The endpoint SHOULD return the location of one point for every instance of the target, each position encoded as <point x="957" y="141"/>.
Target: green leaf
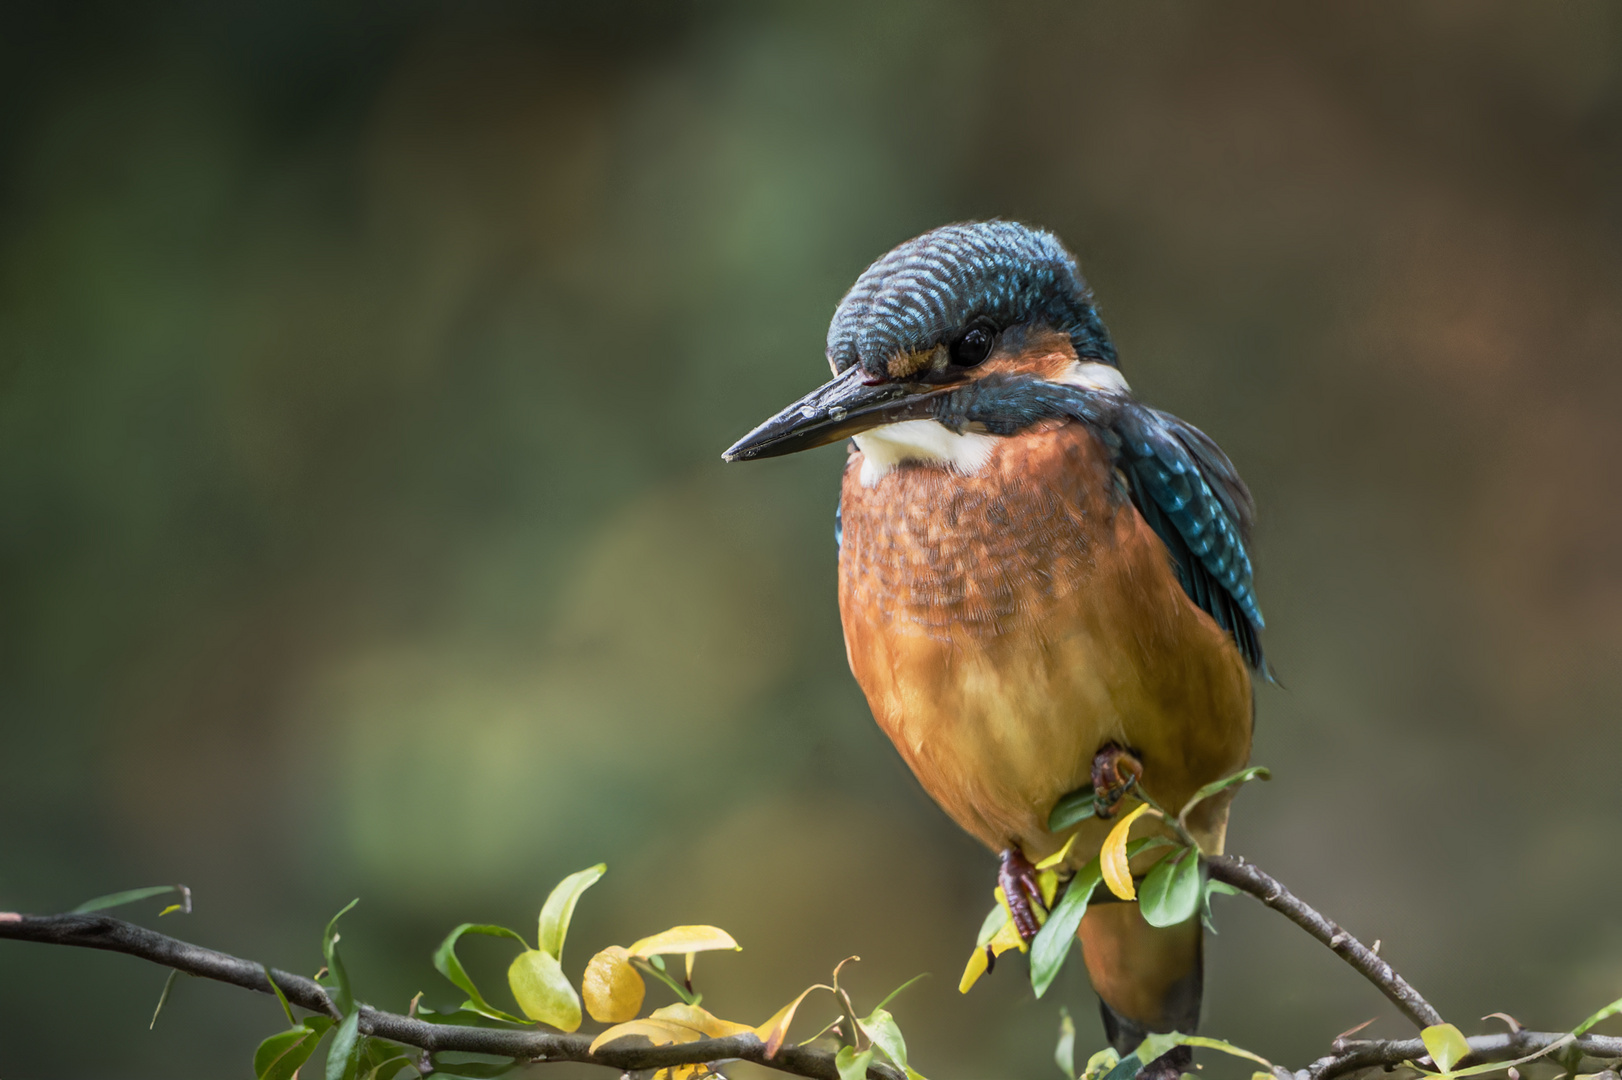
<point x="128" y="896"/>
<point x="1100" y="1064"/>
<point x="281" y="997"/>
<point x="1244" y="776"/>
<point x="342" y="995"/>
<point x="1171" y="892"/>
<point x="465" y="1017"/>
<point x="559" y="908"/>
<point x="992" y="923"/>
<point x="380" y="1060"/>
<point x="342" y="1055"/>
<point x="1445" y="1044"/>
<point x="446" y="963"/>
<point x="1217" y="1044"/>
<point x="851" y="1065"/>
<point x="1126" y="1068"/>
<point x="881" y="1027"/>
<point x="281" y="1055"/>
<point x="1157" y="1045"/>
<point x="388" y="1067"/>
<point x="1079" y="805"/>
<point x="1064" y="1054"/>
<point x="1213" y="888"/>
<point x="1606" y="1013"/>
<point x="1052" y="942"/>
<point x="543" y="991"/>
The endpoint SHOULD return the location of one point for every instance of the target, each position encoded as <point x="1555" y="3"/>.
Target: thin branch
<point x="1355" y="1055"/>
<point x="1264" y="887"/>
<point x="116" y="935"/>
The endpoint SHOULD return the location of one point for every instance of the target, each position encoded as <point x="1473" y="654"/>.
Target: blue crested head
<point x="936" y="288"/>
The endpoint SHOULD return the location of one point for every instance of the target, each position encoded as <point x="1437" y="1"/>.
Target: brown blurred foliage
<point x="363" y="375"/>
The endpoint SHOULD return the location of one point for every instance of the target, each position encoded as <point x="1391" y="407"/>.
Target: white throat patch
<point x="883" y="448"/>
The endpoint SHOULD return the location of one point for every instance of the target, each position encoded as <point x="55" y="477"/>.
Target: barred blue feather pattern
<point x="926" y="290"/>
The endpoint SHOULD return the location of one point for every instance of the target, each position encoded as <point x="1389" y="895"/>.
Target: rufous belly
<point x="1006" y="625"/>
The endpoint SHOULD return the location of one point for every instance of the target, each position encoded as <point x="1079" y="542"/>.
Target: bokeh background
<point x="364" y="371"/>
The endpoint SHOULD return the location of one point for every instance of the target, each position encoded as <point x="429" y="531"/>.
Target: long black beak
<point x="845" y="406"/>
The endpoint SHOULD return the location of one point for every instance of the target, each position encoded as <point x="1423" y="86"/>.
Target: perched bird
<point x="1043" y="582"/>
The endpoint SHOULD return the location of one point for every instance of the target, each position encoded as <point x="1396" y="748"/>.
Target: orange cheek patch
<point x="1047" y="355"/>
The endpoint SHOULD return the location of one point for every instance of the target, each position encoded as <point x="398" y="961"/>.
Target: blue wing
<point x="1190" y="494"/>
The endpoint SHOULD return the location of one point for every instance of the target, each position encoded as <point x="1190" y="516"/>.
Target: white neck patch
<point x="928" y="441"/>
<point x="883" y="448"/>
<point x="1092" y="375"/>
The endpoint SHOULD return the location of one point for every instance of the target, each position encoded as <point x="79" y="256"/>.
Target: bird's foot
<point x="1017" y="877"/>
<point x="1116" y="771"/>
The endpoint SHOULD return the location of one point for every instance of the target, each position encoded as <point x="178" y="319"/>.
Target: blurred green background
<point x="364" y="371"/>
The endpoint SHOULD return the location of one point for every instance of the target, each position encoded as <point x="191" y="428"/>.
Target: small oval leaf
<point x="1445" y="1044"/>
<point x="851" y="1065"/>
<point x="683" y="939"/>
<point x="541" y="990"/>
<point x="885" y="1033"/>
<point x="1171" y="891"/>
<point x="280" y="1056"/>
<point x="1077" y="806"/>
<point x="611" y="987"/>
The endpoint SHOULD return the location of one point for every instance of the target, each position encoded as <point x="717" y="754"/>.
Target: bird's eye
<point x="973" y="346"/>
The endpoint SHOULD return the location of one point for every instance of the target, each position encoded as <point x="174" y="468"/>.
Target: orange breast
<point x="1006" y="625"/>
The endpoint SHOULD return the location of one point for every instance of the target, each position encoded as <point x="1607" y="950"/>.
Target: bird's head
<point x="958" y="304"/>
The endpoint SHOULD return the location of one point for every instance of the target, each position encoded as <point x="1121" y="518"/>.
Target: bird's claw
<point x="1116" y="771"/>
<point x="1017" y="877"/>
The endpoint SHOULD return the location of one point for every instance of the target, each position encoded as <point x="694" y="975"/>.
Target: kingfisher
<point x="1044" y="583"/>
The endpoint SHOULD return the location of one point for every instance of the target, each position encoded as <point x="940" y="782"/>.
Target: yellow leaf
<point x="775" y="1030"/>
<point x="683" y="939"/>
<point x="972" y="971"/>
<point x="1007" y="938"/>
<point x="1446" y="1045"/>
<point x="701" y="1020"/>
<point x="1048" y="882"/>
<point x="1112" y="856"/>
<point x="612" y="988"/>
<point x="538" y="984"/>
<point x="673" y="1024"/>
<point x="1058" y="856"/>
<point x="658" y="1032"/>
